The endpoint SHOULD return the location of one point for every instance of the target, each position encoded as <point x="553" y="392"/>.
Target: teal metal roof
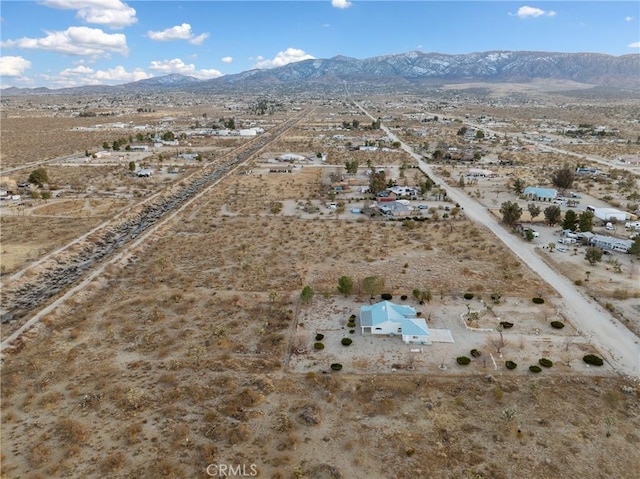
<point x="385" y="311"/>
<point x="414" y="327"/>
<point x="541" y="192"/>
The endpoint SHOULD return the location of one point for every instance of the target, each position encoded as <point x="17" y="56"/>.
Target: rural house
<point x="540" y="194"/>
<point x="393" y="319"/>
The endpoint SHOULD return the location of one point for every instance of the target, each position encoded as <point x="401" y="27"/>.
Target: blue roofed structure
<point x="540" y="194"/>
<point x="392" y="319"/>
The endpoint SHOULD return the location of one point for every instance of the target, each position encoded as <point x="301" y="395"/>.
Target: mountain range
<point x="404" y="70"/>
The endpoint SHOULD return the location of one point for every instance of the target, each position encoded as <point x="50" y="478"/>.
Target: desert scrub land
<point x="178" y="359"/>
<point x="181" y="355"/>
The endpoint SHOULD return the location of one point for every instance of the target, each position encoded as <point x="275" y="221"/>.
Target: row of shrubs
<point x="319" y="337"/>
<point x="591" y="359"/>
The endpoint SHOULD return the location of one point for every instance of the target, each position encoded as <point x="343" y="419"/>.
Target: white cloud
<point x="75" y="41"/>
<point x="226" y="59"/>
<point x="326" y="25"/>
<point x="528" y="12"/>
<point x="341" y="3"/>
<point x="634" y="45"/>
<point x="179" y="32"/>
<point x="167" y="67"/>
<point x="628" y="19"/>
<point x="111" y="13"/>
<point x="83" y="75"/>
<point x="13" y="66"/>
<point x="290" y="55"/>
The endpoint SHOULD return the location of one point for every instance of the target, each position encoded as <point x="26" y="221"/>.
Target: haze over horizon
<point x="70" y="43"/>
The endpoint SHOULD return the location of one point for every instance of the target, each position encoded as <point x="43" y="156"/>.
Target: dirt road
<point x="619" y="345"/>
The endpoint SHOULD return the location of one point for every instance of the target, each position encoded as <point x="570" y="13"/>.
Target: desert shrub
<point x="557" y="324"/>
<point x="386" y="296"/>
<point x="318" y="346"/>
<point x="404" y="297"/>
<point x="72" y="432"/>
<point x="336" y="366"/>
<point x="346" y="341"/>
<point x="535" y="369"/>
<point x="510" y="365"/>
<point x="352" y="317"/>
<point x="593" y="360"/>
<point x="475" y="353"/>
<point x="468" y="295"/>
<point x="463" y="360"/>
<point x="547" y="363"/>
<point x="351" y="331"/>
<point x="537" y="300"/>
<point x="506" y="324"/>
<point x="319" y="337"/>
<point x="578" y="282"/>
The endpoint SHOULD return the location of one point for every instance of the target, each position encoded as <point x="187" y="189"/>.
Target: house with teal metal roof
<point x="540" y="194"/>
<point x="392" y="319"/>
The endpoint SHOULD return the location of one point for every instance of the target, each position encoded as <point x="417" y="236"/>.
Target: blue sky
<point x="61" y="43"/>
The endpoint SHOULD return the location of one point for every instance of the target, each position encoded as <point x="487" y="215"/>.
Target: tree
<point x="518" y="186"/>
<point x="306" y="295"/>
<point x="345" y="285"/>
<point x="511" y="213"/>
<point x="377" y="182"/>
<point x="593" y="255"/>
<point x="39" y="177"/>
<point x="168" y="136"/>
<point x="552" y="214"/>
<point x="570" y="221"/>
<point x="585" y="221"/>
<point x="372" y="285"/>
<point x="635" y="247"/>
<point x="563" y="178"/>
<point x="534" y="210"/>
<point x="351" y="166"/>
<point x="132" y="166"/>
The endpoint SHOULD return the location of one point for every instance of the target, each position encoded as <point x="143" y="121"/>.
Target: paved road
<point x="619" y="345"/>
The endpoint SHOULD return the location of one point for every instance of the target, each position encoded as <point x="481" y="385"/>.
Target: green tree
<point x="479" y="135"/>
<point x="372" y="285"/>
<point x="345" y="285"/>
<point x="570" y="220"/>
<point x="351" y="166"/>
<point x="168" y="136"/>
<point x="45" y="195"/>
<point x="534" y="210"/>
<point x="585" y="221"/>
<point x="106" y="146"/>
<point x="593" y="255"/>
<point x="552" y="214"/>
<point x="39" y="177"/>
<point x="377" y="182"/>
<point x="563" y="178"/>
<point x="635" y="247"/>
<point x="511" y="213"/>
<point x="518" y="186"/>
<point x="355" y="124"/>
<point x="306" y="295"/>
<point x="132" y="166"/>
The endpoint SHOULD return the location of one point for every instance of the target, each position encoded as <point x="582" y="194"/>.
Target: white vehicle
<point x="333" y="206"/>
<point x="632" y="225"/>
<point x="609" y="227"/>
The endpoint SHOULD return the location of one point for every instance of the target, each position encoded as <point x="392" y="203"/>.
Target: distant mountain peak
<point x="405" y="70"/>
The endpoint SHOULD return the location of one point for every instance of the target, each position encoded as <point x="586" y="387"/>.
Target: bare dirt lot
<point x="195" y="348"/>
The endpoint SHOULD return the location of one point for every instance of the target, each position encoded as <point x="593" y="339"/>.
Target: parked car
<point x="422" y="207"/>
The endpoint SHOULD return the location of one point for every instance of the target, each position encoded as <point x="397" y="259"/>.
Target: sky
<point x="64" y="43"/>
